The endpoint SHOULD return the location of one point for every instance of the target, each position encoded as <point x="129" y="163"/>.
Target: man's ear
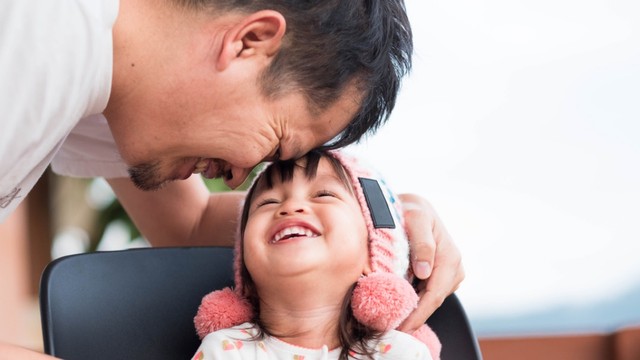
<point x="260" y="33"/>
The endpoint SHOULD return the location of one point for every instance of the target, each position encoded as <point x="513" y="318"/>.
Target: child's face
<point x="306" y="226"/>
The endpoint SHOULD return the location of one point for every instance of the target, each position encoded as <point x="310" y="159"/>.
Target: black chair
<point x="140" y="304"/>
<point x="452" y="326"/>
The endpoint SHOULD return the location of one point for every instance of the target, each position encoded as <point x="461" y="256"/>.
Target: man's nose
<point x="236" y="176"/>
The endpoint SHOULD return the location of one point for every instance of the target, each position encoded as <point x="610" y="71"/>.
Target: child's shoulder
<point x="398" y="345"/>
<point x="245" y="331"/>
<point x="400" y="337"/>
<point x="232" y="343"/>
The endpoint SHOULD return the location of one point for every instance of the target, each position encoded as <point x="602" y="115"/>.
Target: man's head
<point x="217" y="97"/>
<point x="330" y="42"/>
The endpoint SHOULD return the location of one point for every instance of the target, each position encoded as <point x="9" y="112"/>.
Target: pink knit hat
<point x="380" y="300"/>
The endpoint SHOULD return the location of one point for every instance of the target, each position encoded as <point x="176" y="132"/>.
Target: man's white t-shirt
<point x="56" y="64"/>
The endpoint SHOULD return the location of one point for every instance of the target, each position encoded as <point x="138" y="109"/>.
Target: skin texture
<point x="302" y="280"/>
<point x="208" y="105"/>
<point x="8" y="351"/>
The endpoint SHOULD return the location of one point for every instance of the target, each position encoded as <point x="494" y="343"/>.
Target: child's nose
<point x="291" y="207"/>
<point x="291" y="211"/>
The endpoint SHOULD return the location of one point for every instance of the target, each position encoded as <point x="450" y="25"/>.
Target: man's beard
<point x="146" y="176"/>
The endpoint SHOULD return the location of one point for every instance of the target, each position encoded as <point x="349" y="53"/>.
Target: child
<point x="321" y="270"/>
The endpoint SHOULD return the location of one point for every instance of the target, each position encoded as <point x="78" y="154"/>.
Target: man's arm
<point x="8" y="351"/>
<point x="434" y="257"/>
<point x="183" y="213"/>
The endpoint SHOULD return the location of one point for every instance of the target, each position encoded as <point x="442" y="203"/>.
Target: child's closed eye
<point x="266" y="201"/>
<point x="325" y="193"/>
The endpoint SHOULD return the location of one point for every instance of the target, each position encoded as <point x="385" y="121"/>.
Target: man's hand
<point x="434" y="257"/>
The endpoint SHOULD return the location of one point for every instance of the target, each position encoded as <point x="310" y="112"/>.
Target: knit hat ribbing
<point x="382" y="299"/>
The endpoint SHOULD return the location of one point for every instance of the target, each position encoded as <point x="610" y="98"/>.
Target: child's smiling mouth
<point x="293" y="232"/>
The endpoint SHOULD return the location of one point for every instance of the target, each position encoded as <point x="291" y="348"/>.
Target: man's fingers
<point x="444" y="280"/>
<point x="435" y="259"/>
<point x="421" y="269"/>
<point x="419" y="230"/>
<point x="417" y="317"/>
<point x="437" y="290"/>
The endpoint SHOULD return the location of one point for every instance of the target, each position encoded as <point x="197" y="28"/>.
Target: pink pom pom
<point x="382" y="300"/>
<point x="221" y="309"/>
<point x="427" y="336"/>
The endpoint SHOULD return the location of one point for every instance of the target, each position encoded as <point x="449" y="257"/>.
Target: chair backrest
<point x="451" y="324"/>
<point x="140" y="304"/>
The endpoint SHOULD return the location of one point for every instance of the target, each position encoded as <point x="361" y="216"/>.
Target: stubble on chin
<point x="147" y="176"/>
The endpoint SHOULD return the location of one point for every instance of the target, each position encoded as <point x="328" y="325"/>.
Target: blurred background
<point x="520" y="123"/>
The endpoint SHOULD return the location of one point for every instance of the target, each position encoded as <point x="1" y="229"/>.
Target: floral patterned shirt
<point x="237" y="344"/>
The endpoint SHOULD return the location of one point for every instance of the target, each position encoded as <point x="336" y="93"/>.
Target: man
<point x="176" y="87"/>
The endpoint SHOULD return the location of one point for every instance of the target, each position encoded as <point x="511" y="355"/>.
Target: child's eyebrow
<point x="259" y="190"/>
<point x="335" y="178"/>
